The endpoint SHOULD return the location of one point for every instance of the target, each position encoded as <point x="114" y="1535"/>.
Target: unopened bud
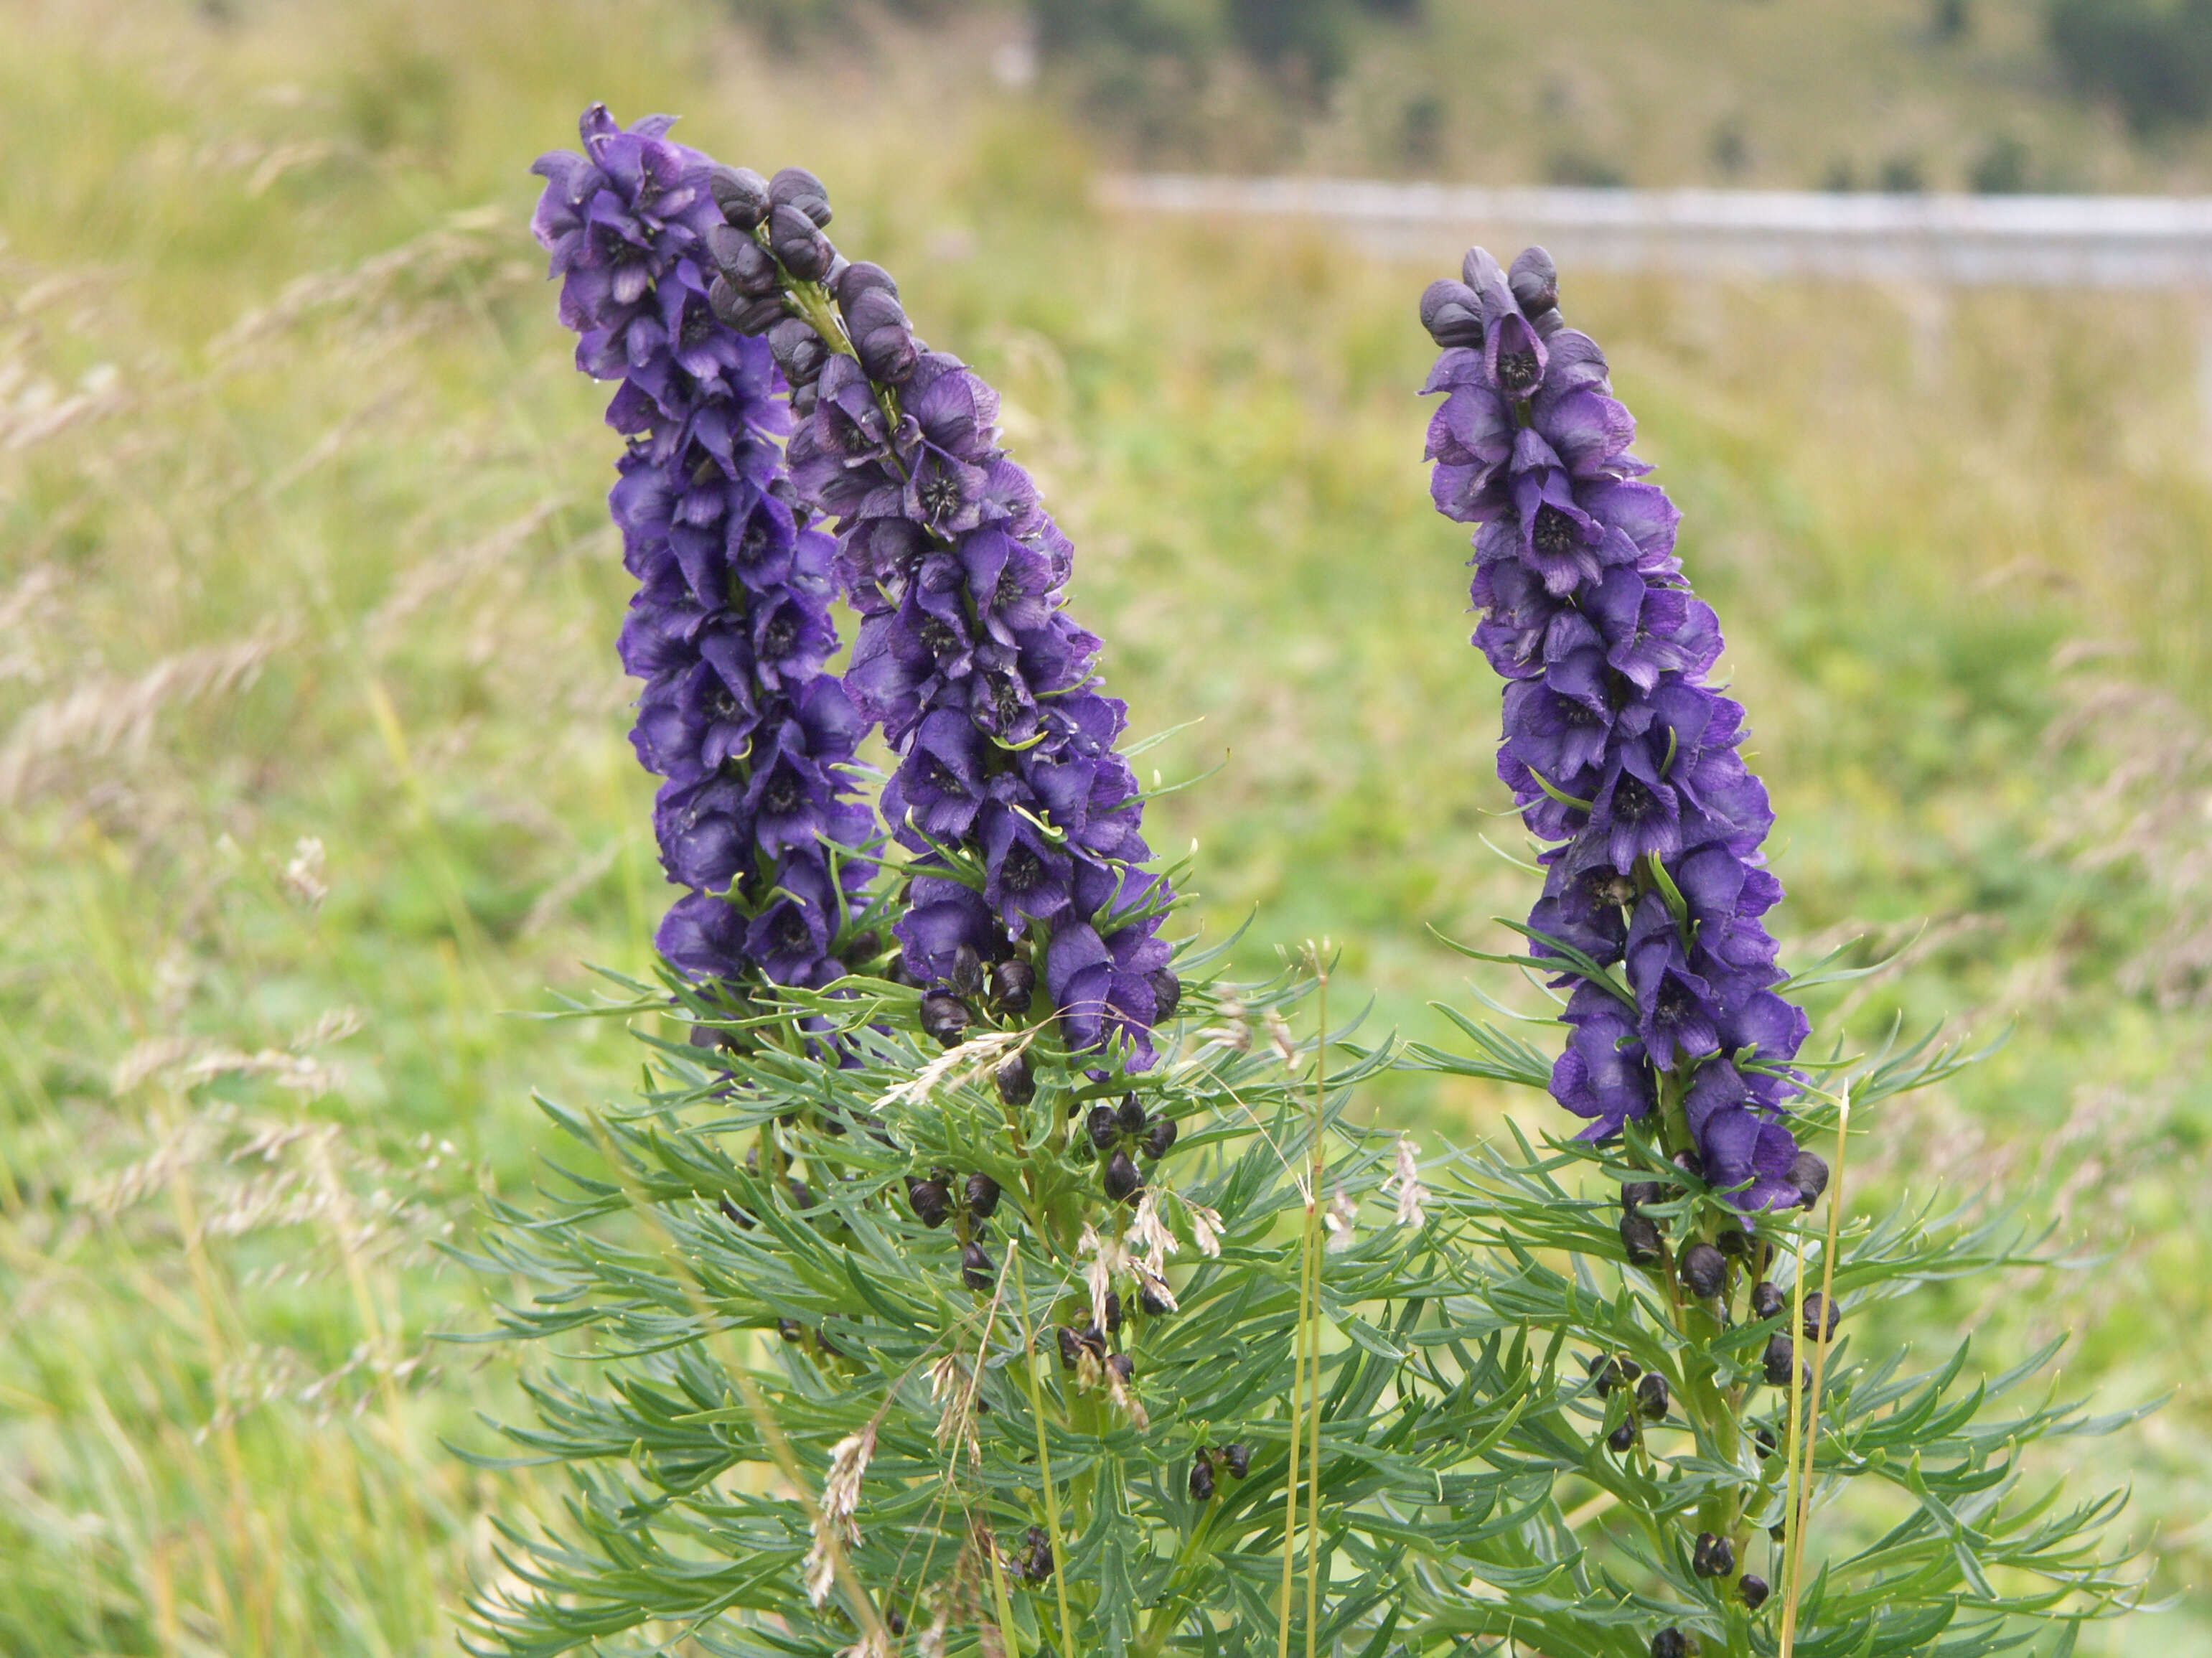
<point x="967" y="975"/>
<point x="1201" y="1478"/>
<point x="1636" y="1193"/>
<point x="794" y="187"/>
<point x="1113" y="1311"/>
<point x="1809" y="1175"/>
<point x="862" y="277"/>
<point x="1651" y="1396"/>
<point x="1013" y="986"/>
<point x="1767" y="1300"/>
<point x="1762" y="1439"/>
<point x="1017" y="1082"/>
<point x="1671" y="1643"/>
<point x="1621" y="1438"/>
<point x="1734" y="1242"/>
<point x="1122" y="1366"/>
<point x="1714" y="1556"/>
<point x="1779" y="1360"/>
<point x="790" y="1328"/>
<point x="1819" y="1327"/>
<point x="1132" y="1114"/>
<point x="1036" y="1561"/>
<point x="1167" y="994"/>
<point x="1071" y="1347"/>
<point x="944" y="1017"/>
<point x="1103" y="1126"/>
<point x="741" y="193"/>
<point x="1753" y="1590"/>
<point x="930" y="1200"/>
<point x="1238" y="1459"/>
<point x="803" y="251"/>
<point x="1690" y="1165"/>
<point x="982" y="1196"/>
<point x="1452" y="313"/>
<point x="1122" y="1182"/>
<point x="798" y="350"/>
<point x="1640" y="1238"/>
<point x="1161" y="1136"/>
<point x="1153" y="1306"/>
<point x="1534" y="282"/>
<point x="975" y="1268"/>
<point x="1704" y="1271"/>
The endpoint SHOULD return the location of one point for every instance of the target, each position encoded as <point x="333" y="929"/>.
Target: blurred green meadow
<point x="313" y="783"/>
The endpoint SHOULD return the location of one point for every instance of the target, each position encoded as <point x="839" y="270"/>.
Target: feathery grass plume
<point x="994" y="1259"/>
<point x="731" y="626"/>
<point x="1714" y="1447"/>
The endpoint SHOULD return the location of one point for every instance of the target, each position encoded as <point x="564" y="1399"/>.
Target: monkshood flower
<point x="730" y="628"/>
<point x="1024" y="818"/>
<point x="1616" y="749"/>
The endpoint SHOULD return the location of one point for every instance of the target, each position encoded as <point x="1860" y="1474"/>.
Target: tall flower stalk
<point x="730" y="629"/>
<point x="1711" y="1441"/>
<point x="1023" y="820"/>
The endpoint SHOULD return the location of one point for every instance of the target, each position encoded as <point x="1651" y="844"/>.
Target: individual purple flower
<point x="730" y="629"/>
<point x="1616" y="749"/>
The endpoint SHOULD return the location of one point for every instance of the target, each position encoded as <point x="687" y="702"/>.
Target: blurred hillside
<point x="311" y="764"/>
<point x="2058" y="95"/>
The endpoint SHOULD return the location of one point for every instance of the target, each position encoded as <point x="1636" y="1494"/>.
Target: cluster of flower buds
<point x="1237" y="1459"/>
<point x="1036" y="1556"/>
<point x="1713" y="1557"/>
<point x="1671" y="1642"/>
<point x="1616" y="748"/>
<point x="730" y="628"/>
<point x="984" y="685"/>
<point x="1113" y="1130"/>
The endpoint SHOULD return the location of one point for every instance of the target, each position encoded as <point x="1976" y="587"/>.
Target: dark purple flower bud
<point x="1452" y="313"/>
<point x="1153" y="1306"/>
<point x="1714" y="1556"/>
<point x="929" y="1199"/>
<point x="975" y="1268"/>
<point x="1671" y="1643"/>
<point x="1819" y="1327"/>
<point x="798" y="351"/>
<point x="1651" y="1397"/>
<point x="1636" y="1193"/>
<point x="1104" y="1124"/>
<point x="794" y="187"/>
<point x="1690" y="1165"/>
<point x="1017" y="1082"/>
<point x="1013" y="983"/>
<point x="790" y="1329"/>
<point x="1623" y="1437"/>
<point x="1071" y="1347"/>
<point x="966" y="977"/>
<point x="743" y="315"/>
<point x="1167" y="994"/>
<point x="1238" y="1459"/>
<point x="1123" y="1182"/>
<point x="861" y="278"/>
<point x="824" y="1346"/>
<point x="1534" y="282"/>
<point x="741" y="193"/>
<point x="1639" y="1236"/>
<point x="1113" y="1311"/>
<point x="1762" y="1439"/>
<point x="1605" y="1373"/>
<point x="1704" y="1271"/>
<point x="945" y="1018"/>
<point x="1160" y="1137"/>
<point x="1201" y="1478"/>
<point x="1767" y="1300"/>
<point x="982" y="1196"/>
<point x="1779" y="1359"/>
<point x="1809" y="1173"/>
<point x="743" y="261"/>
<point x="1132" y="1114"/>
<point x="1734" y="1243"/>
<point x="1036" y="1561"/>
<point x="1122" y="1366"/>
<point x="800" y="248"/>
<point x="1754" y="1589"/>
<point x="731" y="1212"/>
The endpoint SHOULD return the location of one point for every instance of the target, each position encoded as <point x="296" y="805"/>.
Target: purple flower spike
<point x="1024" y="821"/>
<point x="1615" y="747"/>
<point x="731" y="625"/>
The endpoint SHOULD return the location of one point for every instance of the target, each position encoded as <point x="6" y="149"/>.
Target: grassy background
<point x="301" y="540"/>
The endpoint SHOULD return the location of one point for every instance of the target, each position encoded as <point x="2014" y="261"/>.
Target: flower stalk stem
<point x="1801" y="1484"/>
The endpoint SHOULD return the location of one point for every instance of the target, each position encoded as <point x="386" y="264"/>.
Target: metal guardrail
<point x="2038" y="241"/>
